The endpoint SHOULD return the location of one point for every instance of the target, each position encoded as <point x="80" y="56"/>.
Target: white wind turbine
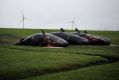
<point x="73" y="23"/>
<point x="23" y="19"/>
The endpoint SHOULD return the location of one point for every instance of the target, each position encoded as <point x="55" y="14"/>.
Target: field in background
<point x="12" y="35"/>
<point x="80" y="62"/>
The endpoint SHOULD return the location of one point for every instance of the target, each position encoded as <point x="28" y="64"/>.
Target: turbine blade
<point x="75" y="24"/>
<point x="28" y="19"/>
<point x="20" y="21"/>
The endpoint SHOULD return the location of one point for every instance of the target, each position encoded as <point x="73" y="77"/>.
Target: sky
<point x="55" y="14"/>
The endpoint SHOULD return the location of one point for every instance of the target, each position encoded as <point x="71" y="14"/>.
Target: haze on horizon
<point x="54" y="14"/>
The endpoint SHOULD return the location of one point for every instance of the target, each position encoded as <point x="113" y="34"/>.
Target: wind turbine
<point x="73" y="22"/>
<point x="23" y="19"/>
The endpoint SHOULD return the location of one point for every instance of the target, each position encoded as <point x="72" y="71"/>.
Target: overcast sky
<point x="89" y="14"/>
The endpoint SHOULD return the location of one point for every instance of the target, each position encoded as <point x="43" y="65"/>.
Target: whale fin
<point x="62" y="30"/>
<point x="77" y="30"/>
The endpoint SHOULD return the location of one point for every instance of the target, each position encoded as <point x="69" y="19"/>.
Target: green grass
<point x="102" y="72"/>
<point x="20" y="63"/>
<point x="76" y="62"/>
<point x="20" y="33"/>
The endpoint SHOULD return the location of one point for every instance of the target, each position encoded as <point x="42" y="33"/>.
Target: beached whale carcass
<point x="93" y="39"/>
<point x="43" y="39"/>
<point x="71" y="38"/>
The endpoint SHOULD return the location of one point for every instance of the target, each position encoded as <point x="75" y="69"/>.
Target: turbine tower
<point x="73" y="22"/>
<point x="23" y="19"/>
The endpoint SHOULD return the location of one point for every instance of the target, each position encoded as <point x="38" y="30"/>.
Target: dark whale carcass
<point x="43" y="39"/>
<point x="93" y="39"/>
<point x="71" y="38"/>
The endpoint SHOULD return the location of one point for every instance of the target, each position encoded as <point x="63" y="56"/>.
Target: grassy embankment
<point x="71" y="63"/>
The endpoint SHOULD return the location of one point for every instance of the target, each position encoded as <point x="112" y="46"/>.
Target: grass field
<point x="76" y="62"/>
